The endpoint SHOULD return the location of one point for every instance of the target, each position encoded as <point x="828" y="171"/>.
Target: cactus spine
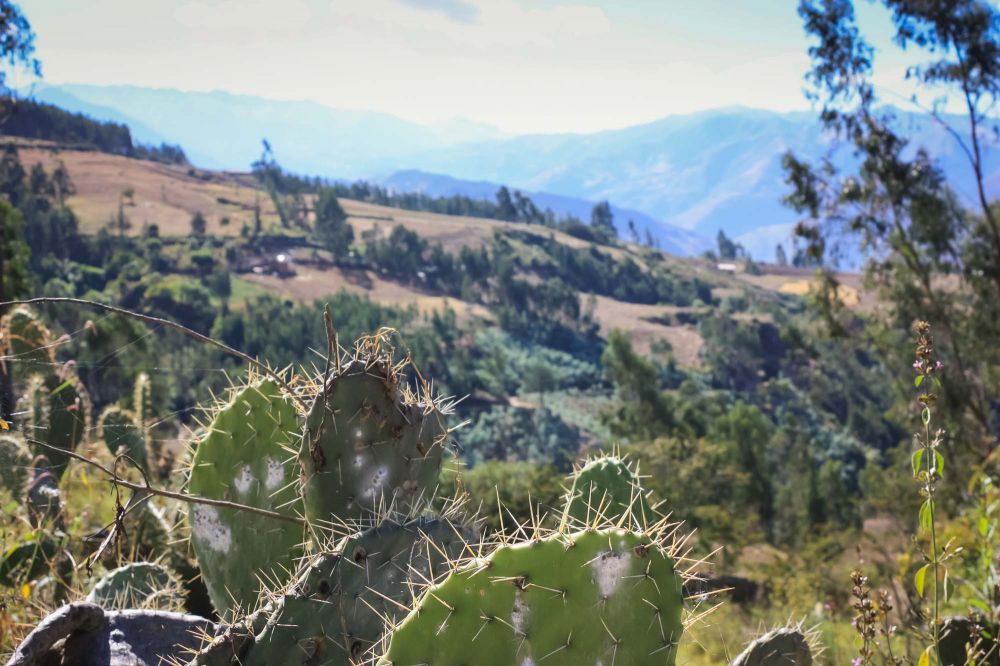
<point x="594" y="597"/>
<point x="247" y="457"/>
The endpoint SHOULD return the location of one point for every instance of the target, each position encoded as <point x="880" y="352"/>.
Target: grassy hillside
<point x="151" y="193"/>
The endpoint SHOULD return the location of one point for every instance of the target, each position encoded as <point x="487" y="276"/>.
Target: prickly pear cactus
<point x="606" y="490"/>
<point x="595" y="597"/>
<point x="142" y="407"/>
<point x="54" y="409"/>
<point x="121" y="432"/>
<point x="247" y="456"/>
<point x="336" y="613"/>
<point x="138" y="585"/>
<point x="15" y="465"/>
<point x="788" y="646"/>
<point x="24" y="337"/>
<point x="369" y="441"/>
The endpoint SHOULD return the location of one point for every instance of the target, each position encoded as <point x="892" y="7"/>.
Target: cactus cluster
<point x="54" y="405"/>
<point x="358" y="568"/>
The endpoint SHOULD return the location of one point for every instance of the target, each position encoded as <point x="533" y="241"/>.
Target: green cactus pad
<point x="781" y="647"/>
<point x="142" y="407"/>
<point x="121" y="432"/>
<point x="27" y="339"/>
<point x="15" y="465"/>
<point x="368" y="443"/>
<point x="138" y="585"/>
<point x="594" y="597"/>
<point x="55" y="413"/>
<point x="606" y="491"/>
<point x="247" y="456"/>
<point x="337" y="611"/>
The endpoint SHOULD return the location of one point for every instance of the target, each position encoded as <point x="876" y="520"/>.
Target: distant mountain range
<point x="685" y="177"/>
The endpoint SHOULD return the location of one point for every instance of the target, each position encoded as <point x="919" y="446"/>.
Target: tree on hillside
<point x="780" y="255"/>
<point x="198" y="225"/>
<point x="506" y="210"/>
<point x="728" y="248"/>
<point x="930" y="255"/>
<point x="602" y="219"/>
<point x="332" y="229"/>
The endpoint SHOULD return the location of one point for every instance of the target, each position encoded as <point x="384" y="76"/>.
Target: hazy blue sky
<point x="522" y="65"/>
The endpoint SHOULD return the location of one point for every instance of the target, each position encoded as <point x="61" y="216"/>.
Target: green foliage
<point x="595" y="596"/>
<point x="331" y="226"/>
<point x="512" y="434"/>
<point x="246" y="456"/>
<point x="643" y="409"/>
<point x="504" y="492"/>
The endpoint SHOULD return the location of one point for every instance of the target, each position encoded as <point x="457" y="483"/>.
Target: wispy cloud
<point x="457" y="10"/>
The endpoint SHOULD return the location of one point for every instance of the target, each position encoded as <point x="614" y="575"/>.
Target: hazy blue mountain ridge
<point x="684" y="176"/>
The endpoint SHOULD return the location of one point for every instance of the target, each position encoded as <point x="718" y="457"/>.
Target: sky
<point x="520" y="65"/>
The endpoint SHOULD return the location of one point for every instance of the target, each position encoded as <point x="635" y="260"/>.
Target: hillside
<point x="167" y="196"/>
<point x="695" y="173"/>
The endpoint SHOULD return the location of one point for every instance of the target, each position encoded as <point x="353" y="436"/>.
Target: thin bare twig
<point x="182" y="497"/>
<point x="149" y="319"/>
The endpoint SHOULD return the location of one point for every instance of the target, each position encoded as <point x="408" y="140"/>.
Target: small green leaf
<point x="920" y="578"/>
<point x="925" y="657"/>
<point x="984" y="526"/>
<point x="918" y="381"/>
<point x="62" y="386"/>
<point x="926" y="514"/>
<point x="939" y="463"/>
<point x="917" y="460"/>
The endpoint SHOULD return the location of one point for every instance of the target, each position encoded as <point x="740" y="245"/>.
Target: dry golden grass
<point x="310" y="283"/>
<point x="634" y="319"/>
